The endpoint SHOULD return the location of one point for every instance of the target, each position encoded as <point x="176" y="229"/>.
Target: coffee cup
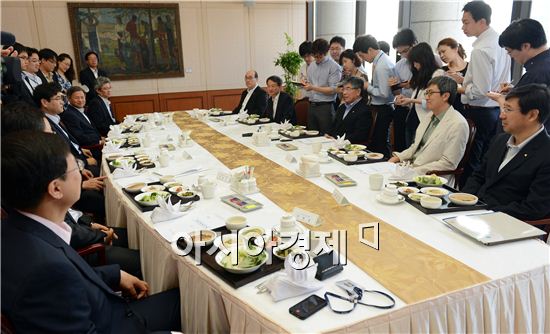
<point x="376" y="181"/>
<point x="390" y="192"/>
<point x="208" y="189"/>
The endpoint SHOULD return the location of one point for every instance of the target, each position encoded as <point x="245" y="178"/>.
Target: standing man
<point x="323" y="76"/>
<point x="280" y="106"/>
<point x="489" y="66"/>
<point x="515" y="174"/>
<point x="253" y="98"/>
<point x="525" y="41"/>
<point x="99" y="110"/>
<point x="337" y="46"/>
<point x="382" y="97"/>
<point x="89" y="75"/>
<point x="402" y="42"/>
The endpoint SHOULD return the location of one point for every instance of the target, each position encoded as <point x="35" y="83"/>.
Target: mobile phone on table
<point x="307" y="307"/>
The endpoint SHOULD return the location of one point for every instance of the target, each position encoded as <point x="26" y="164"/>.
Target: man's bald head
<point x="251" y="79"/>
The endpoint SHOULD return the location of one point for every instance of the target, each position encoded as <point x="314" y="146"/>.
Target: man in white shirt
<point x="89" y="75"/>
<point x="489" y="66"/>
<point x="30" y="79"/>
<point x="515" y="174"/>
<point x="253" y="98"/>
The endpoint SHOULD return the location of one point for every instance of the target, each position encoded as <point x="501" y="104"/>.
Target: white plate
<point x="374" y="156"/>
<point x="153" y="187"/>
<point x="442" y="179"/>
<point x="312" y="132"/>
<point x="276" y="249"/>
<point x="453" y="198"/>
<point x="264" y="120"/>
<point x="355" y="147"/>
<point x="135" y="188"/>
<point x="205" y="232"/>
<point x="382" y="199"/>
<point x="403" y="190"/>
<point x="434" y="191"/>
<point x="139" y="197"/>
<point x="419" y="195"/>
<point x="236" y="270"/>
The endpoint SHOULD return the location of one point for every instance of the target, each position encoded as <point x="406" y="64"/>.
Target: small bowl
<point x="235" y="223"/>
<point x="407" y="190"/>
<point x="430" y="202"/>
<point x="177" y="189"/>
<point x="169" y="185"/>
<point x="350" y="157"/>
<point x="221" y="258"/>
<point x="206" y="236"/>
<point x="135" y="187"/>
<point x="295" y="134"/>
<point x="417" y="197"/>
<point x="463" y="199"/>
<point x="186" y="194"/>
<point x="374" y="156"/>
<point x="264" y="120"/>
<point x="312" y="132"/>
<point x="167" y="178"/>
<point x="251" y="230"/>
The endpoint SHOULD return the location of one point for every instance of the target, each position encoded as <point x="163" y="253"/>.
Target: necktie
<point x="270" y="111"/>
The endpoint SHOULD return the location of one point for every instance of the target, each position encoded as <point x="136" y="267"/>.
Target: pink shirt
<point x="62" y="230"/>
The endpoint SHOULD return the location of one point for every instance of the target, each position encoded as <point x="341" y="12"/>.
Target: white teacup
<point x="316" y="148"/>
<point x="208" y="189"/>
<point x="390" y="192"/>
<point x="376" y="181"/>
<point x="164" y="160"/>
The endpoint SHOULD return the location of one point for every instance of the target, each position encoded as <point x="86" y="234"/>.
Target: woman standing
<point x="453" y="54"/>
<point x="423" y="68"/>
<point x="351" y="66"/>
<point x="64" y="72"/>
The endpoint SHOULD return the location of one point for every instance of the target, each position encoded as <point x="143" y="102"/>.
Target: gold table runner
<point x="407" y="267"/>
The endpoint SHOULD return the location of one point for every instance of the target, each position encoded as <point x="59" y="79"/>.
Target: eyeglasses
<point x="406" y="50"/>
<point x="431" y="92"/>
<point x="343" y="305"/>
<point x="79" y="166"/>
<point x="509" y="110"/>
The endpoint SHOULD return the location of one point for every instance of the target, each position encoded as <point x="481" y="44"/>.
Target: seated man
<point x="46" y="286"/>
<point x="353" y="118"/>
<point x="280" y="106"/>
<point x="253" y="98"/>
<point x="99" y="110"/>
<point x="515" y="174"/>
<point x="441" y="137"/>
<point x="76" y="121"/>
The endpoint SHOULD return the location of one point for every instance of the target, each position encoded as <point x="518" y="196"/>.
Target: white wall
<point x="220" y="40"/>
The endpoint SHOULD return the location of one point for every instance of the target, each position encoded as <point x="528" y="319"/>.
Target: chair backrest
<point x="469" y="144"/>
<point x="301" y="107"/>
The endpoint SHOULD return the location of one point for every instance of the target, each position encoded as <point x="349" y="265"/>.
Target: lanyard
<point x="357" y="300"/>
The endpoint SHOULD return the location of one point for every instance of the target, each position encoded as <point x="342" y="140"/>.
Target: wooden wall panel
<point x="182" y="101"/>
<point x="227" y="99"/>
<point x="135" y="104"/>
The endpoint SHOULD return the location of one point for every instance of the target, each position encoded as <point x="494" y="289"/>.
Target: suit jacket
<point x="357" y="124"/>
<point x="445" y="147"/>
<point x="42" y="76"/>
<point x="98" y="113"/>
<point x="87" y="78"/>
<point x="56" y="290"/>
<point x="256" y="104"/>
<point x="285" y="109"/>
<point x="69" y="139"/>
<point x="520" y="189"/>
<point x="85" y="132"/>
<point x="83" y="235"/>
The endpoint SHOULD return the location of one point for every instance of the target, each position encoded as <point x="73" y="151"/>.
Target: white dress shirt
<point x="95" y="72"/>
<point x="62" y="229"/>
<point x="56" y="119"/>
<point x="31" y="80"/>
<point x="489" y="66"/>
<point x="513" y="149"/>
<point x="275" y="101"/>
<point x="247" y="97"/>
<point x="108" y="105"/>
<point x="82" y="112"/>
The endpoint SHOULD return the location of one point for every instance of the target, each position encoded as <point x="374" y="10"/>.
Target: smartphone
<point x="307" y="307"/>
<point x="248" y="134"/>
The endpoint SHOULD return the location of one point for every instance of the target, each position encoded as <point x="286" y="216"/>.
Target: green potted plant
<point x="290" y="61"/>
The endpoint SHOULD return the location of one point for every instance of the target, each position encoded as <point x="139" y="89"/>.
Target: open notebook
<point x="493" y="228"/>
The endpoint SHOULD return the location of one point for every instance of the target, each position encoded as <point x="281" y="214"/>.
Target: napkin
<point x="286" y="125"/>
<point x="166" y="211"/>
<point x="341" y="142"/>
<point x="115" y="131"/>
<point x="242" y="115"/>
<point x="293" y="282"/>
<point x="403" y="171"/>
<point x="126" y="169"/>
<point x="111" y="147"/>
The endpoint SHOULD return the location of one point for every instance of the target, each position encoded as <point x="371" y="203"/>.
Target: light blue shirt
<point x="350" y="106"/>
<point x="403" y="71"/>
<point x="325" y="74"/>
<point x="379" y="89"/>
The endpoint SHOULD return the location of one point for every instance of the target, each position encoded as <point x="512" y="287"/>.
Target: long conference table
<point x="441" y="281"/>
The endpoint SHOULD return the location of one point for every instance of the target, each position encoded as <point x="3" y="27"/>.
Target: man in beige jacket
<point x="441" y="137"/>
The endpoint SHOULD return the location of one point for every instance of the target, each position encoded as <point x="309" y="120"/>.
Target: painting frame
<point x="119" y="32"/>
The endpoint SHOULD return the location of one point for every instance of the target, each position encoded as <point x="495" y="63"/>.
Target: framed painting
<point x="133" y="40"/>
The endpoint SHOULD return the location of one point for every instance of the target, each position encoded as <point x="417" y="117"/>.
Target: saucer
<point x="382" y="199"/>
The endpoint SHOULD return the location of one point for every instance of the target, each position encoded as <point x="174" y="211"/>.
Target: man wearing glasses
<point x="441" y="137"/>
<point x="514" y="176"/>
<point x="46" y="286"/>
<point x="48" y="62"/>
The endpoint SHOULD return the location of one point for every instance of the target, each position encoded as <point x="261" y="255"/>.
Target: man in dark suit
<point x="280" y="106"/>
<point x="75" y="119"/>
<point x="515" y="174"/>
<point x="46" y="286"/>
<point x="253" y="98"/>
<point x="352" y="117"/>
<point x="89" y="75"/>
<point x="99" y="109"/>
<point x="48" y="63"/>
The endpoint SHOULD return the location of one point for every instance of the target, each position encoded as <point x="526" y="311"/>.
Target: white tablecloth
<point x="516" y="300"/>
